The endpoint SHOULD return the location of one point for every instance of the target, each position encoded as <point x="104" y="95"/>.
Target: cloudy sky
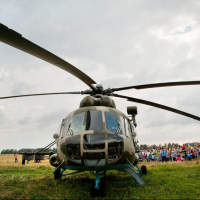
<point x="118" y="44"/>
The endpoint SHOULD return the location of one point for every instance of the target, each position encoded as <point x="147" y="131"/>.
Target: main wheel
<point x="57" y="175"/>
<point x="103" y="189"/>
<point x="144" y="169"/>
<point x="94" y="192"/>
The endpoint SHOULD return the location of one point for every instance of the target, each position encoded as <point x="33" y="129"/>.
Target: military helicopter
<point x="96" y="137"/>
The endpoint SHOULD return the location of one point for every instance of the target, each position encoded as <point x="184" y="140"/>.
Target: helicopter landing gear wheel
<point x="144" y="169"/>
<point x="94" y="192"/>
<point x="98" y="187"/>
<point x="103" y="188"/>
<point x="57" y="174"/>
<point x="98" y="192"/>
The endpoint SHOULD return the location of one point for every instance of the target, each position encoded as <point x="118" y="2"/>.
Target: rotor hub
<point x="97" y="100"/>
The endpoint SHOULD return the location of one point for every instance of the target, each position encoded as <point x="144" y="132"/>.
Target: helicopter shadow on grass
<point x="120" y="180"/>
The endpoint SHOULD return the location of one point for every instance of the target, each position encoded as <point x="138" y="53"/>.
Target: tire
<point x="94" y="192"/>
<point x="144" y="169"/>
<point x="57" y="175"/>
<point x="103" y="189"/>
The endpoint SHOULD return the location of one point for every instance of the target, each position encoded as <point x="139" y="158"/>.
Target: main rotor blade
<point x="155" y="85"/>
<point x="42" y="94"/>
<point x="149" y="103"/>
<point x="16" y="40"/>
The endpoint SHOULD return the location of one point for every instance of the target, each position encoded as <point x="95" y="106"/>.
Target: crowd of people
<point x="170" y="154"/>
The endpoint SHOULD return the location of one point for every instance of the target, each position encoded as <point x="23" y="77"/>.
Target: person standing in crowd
<point x="174" y="154"/>
<point x="198" y="152"/>
<point x="192" y="152"/>
<point x="163" y="154"/>
<point x="148" y="152"/>
<point x="179" y="158"/>
<point x="170" y="154"/>
<point x="153" y="156"/>
<point x="140" y="157"/>
<point x="150" y="157"/>
<point x="167" y="156"/>
<point x="184" y="155"/>
<point x="189" y="156"/>
<point x="179" y="152"/>
<point x="16" y="160"/>
<point x="157" y="155"/>
<point x="195" y="152"/>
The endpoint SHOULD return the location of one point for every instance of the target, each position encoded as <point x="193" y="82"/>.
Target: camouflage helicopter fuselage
<point x="96" y="138"/>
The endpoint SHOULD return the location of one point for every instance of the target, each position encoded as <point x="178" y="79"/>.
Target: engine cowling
<point x="54" y="160"/>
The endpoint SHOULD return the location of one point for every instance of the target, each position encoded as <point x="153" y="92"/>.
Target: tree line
<point x="142" y="146"/>
<point x="28" y="150"/>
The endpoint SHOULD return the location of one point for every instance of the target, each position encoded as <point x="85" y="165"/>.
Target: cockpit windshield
<point x="64" y="127"/>
<point x="72" y="125"/>
<point x="76" y="123"/>
<point x="113" y="123"/>
<point x="94" y="120"/>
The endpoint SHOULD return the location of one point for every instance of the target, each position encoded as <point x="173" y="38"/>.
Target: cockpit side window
<point x="76" y="124"/>
<point x="94" y="120"/>
<point x="64" y="127"/>
<point x="113" y="123"/>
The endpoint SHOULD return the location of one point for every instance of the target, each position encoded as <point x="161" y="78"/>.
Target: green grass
<point x="164" y="181"/>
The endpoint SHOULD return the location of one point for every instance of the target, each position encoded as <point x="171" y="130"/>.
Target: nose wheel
<point x="57" y="174"/>
<point x="98" y="188"/>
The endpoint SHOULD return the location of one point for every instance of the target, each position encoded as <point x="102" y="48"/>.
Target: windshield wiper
<point x="70" y="130"/>
<point x="118" y="129"/>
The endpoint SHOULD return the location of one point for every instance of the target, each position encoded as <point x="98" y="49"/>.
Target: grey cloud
<point x="113" y="43"/>
<point x="21" y="88"/>
<point x="25" y="121"/>
<point x="50" y="118"/>
<point x="3" y="117"/>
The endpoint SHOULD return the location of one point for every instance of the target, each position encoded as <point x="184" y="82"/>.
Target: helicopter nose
<point x="73" y="149"/>
<point x="115" y="147"/>
<point x="99" y="150"/>
<point x="94" y="141"/>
